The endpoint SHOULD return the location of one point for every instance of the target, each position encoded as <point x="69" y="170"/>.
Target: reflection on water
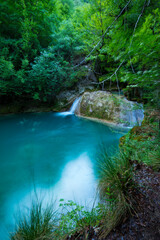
<point x="77" y="180"/>
<point x="48" y="156"/>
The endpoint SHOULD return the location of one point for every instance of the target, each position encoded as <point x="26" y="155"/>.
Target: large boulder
<point x="110" y="107"/>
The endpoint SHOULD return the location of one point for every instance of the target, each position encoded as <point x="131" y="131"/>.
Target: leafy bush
<point x="75" y="219"/>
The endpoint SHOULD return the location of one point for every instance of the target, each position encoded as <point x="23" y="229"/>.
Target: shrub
<point x="75" y="220"/>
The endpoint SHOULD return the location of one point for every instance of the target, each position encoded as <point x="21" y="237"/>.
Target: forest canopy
<point x="46" y="44"/>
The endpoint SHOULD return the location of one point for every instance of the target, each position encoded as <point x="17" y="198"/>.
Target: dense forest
<point x="46" y="46"/>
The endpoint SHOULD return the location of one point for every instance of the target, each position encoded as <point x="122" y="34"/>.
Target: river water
<point x="48" y="155"/>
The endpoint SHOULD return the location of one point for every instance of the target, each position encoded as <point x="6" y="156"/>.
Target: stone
<point x="110" y="107"/>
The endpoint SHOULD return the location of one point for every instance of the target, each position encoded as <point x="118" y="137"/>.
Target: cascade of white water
<point x="72" y="109"/>
<point x="74" y="105"/>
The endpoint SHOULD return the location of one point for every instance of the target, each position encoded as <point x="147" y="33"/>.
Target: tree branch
<point x="85" y="59"/>
<point x="112" y="74"/>
<point x="115" y="73"/>
<point x="137" y="24"/>
<point x="134" y="34"/>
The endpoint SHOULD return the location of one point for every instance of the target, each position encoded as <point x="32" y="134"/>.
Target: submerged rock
<point x="111" y="107"/>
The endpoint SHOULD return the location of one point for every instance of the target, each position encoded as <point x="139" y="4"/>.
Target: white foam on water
<point x="77" y="181"/>
<point x="72" y="109"/>
<point x="63" y="114"/>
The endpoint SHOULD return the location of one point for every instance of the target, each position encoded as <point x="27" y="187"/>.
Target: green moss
<point x="115" y="100"/>
<point x="143" y="143"/>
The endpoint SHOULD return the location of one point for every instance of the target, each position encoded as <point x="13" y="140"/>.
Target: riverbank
<point x="144" y="224"/>
<point x="29" y="107"/>
<point x="142" y="143"/>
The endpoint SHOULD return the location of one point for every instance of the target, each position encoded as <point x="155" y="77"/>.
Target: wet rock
<point x="111" y="107"/>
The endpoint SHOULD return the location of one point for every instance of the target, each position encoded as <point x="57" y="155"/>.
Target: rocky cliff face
<point x="110" y="107"/>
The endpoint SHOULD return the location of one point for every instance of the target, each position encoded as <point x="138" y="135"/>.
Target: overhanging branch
<point x="85" y="59"/>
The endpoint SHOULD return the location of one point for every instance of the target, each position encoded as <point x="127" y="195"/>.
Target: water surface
<point x="49" y="155"/>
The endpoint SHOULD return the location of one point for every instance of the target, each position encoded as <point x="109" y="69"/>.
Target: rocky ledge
<point x="112" y="108"/>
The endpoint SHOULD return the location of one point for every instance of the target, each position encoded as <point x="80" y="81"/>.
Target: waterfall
<point x="74" y="106"/>
<point x="72" y="109"/>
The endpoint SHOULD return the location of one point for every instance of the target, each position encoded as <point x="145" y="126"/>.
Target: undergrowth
<point x="68" y="221"/>
<point x="143" y="144"/>
<point x="147" y="152"/>
<point x="75" y="220"/>
<point x="117" y="190"/>
<point x="37" y="224"/>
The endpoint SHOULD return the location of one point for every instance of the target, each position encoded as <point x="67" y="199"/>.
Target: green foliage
<point x="68" y="30"/>
<point x="145" y="58"/>
<point x="44" y="223"/>
<point x="147" y="152"/>
<point x="51" y="71"/>
<point x="132" y="38"/>
<point x="26" y="68"/>
<point x="75" y="218"/>
<point x="115" y="175"/>
<point x="144" y="145"/>
<point x="117" y="189"/>
<point x="38" y="224"/>
<point x="22" y="36"/>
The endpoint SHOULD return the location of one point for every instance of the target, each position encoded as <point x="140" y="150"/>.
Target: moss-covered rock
<point x="110" y="107"/>
<point x="147" y="131"/>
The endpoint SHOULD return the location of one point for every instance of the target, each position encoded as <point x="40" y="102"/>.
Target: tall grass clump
<point x="117" y="189"/>
<point x="70" y="221"/>
<point x="37" y="224"/>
